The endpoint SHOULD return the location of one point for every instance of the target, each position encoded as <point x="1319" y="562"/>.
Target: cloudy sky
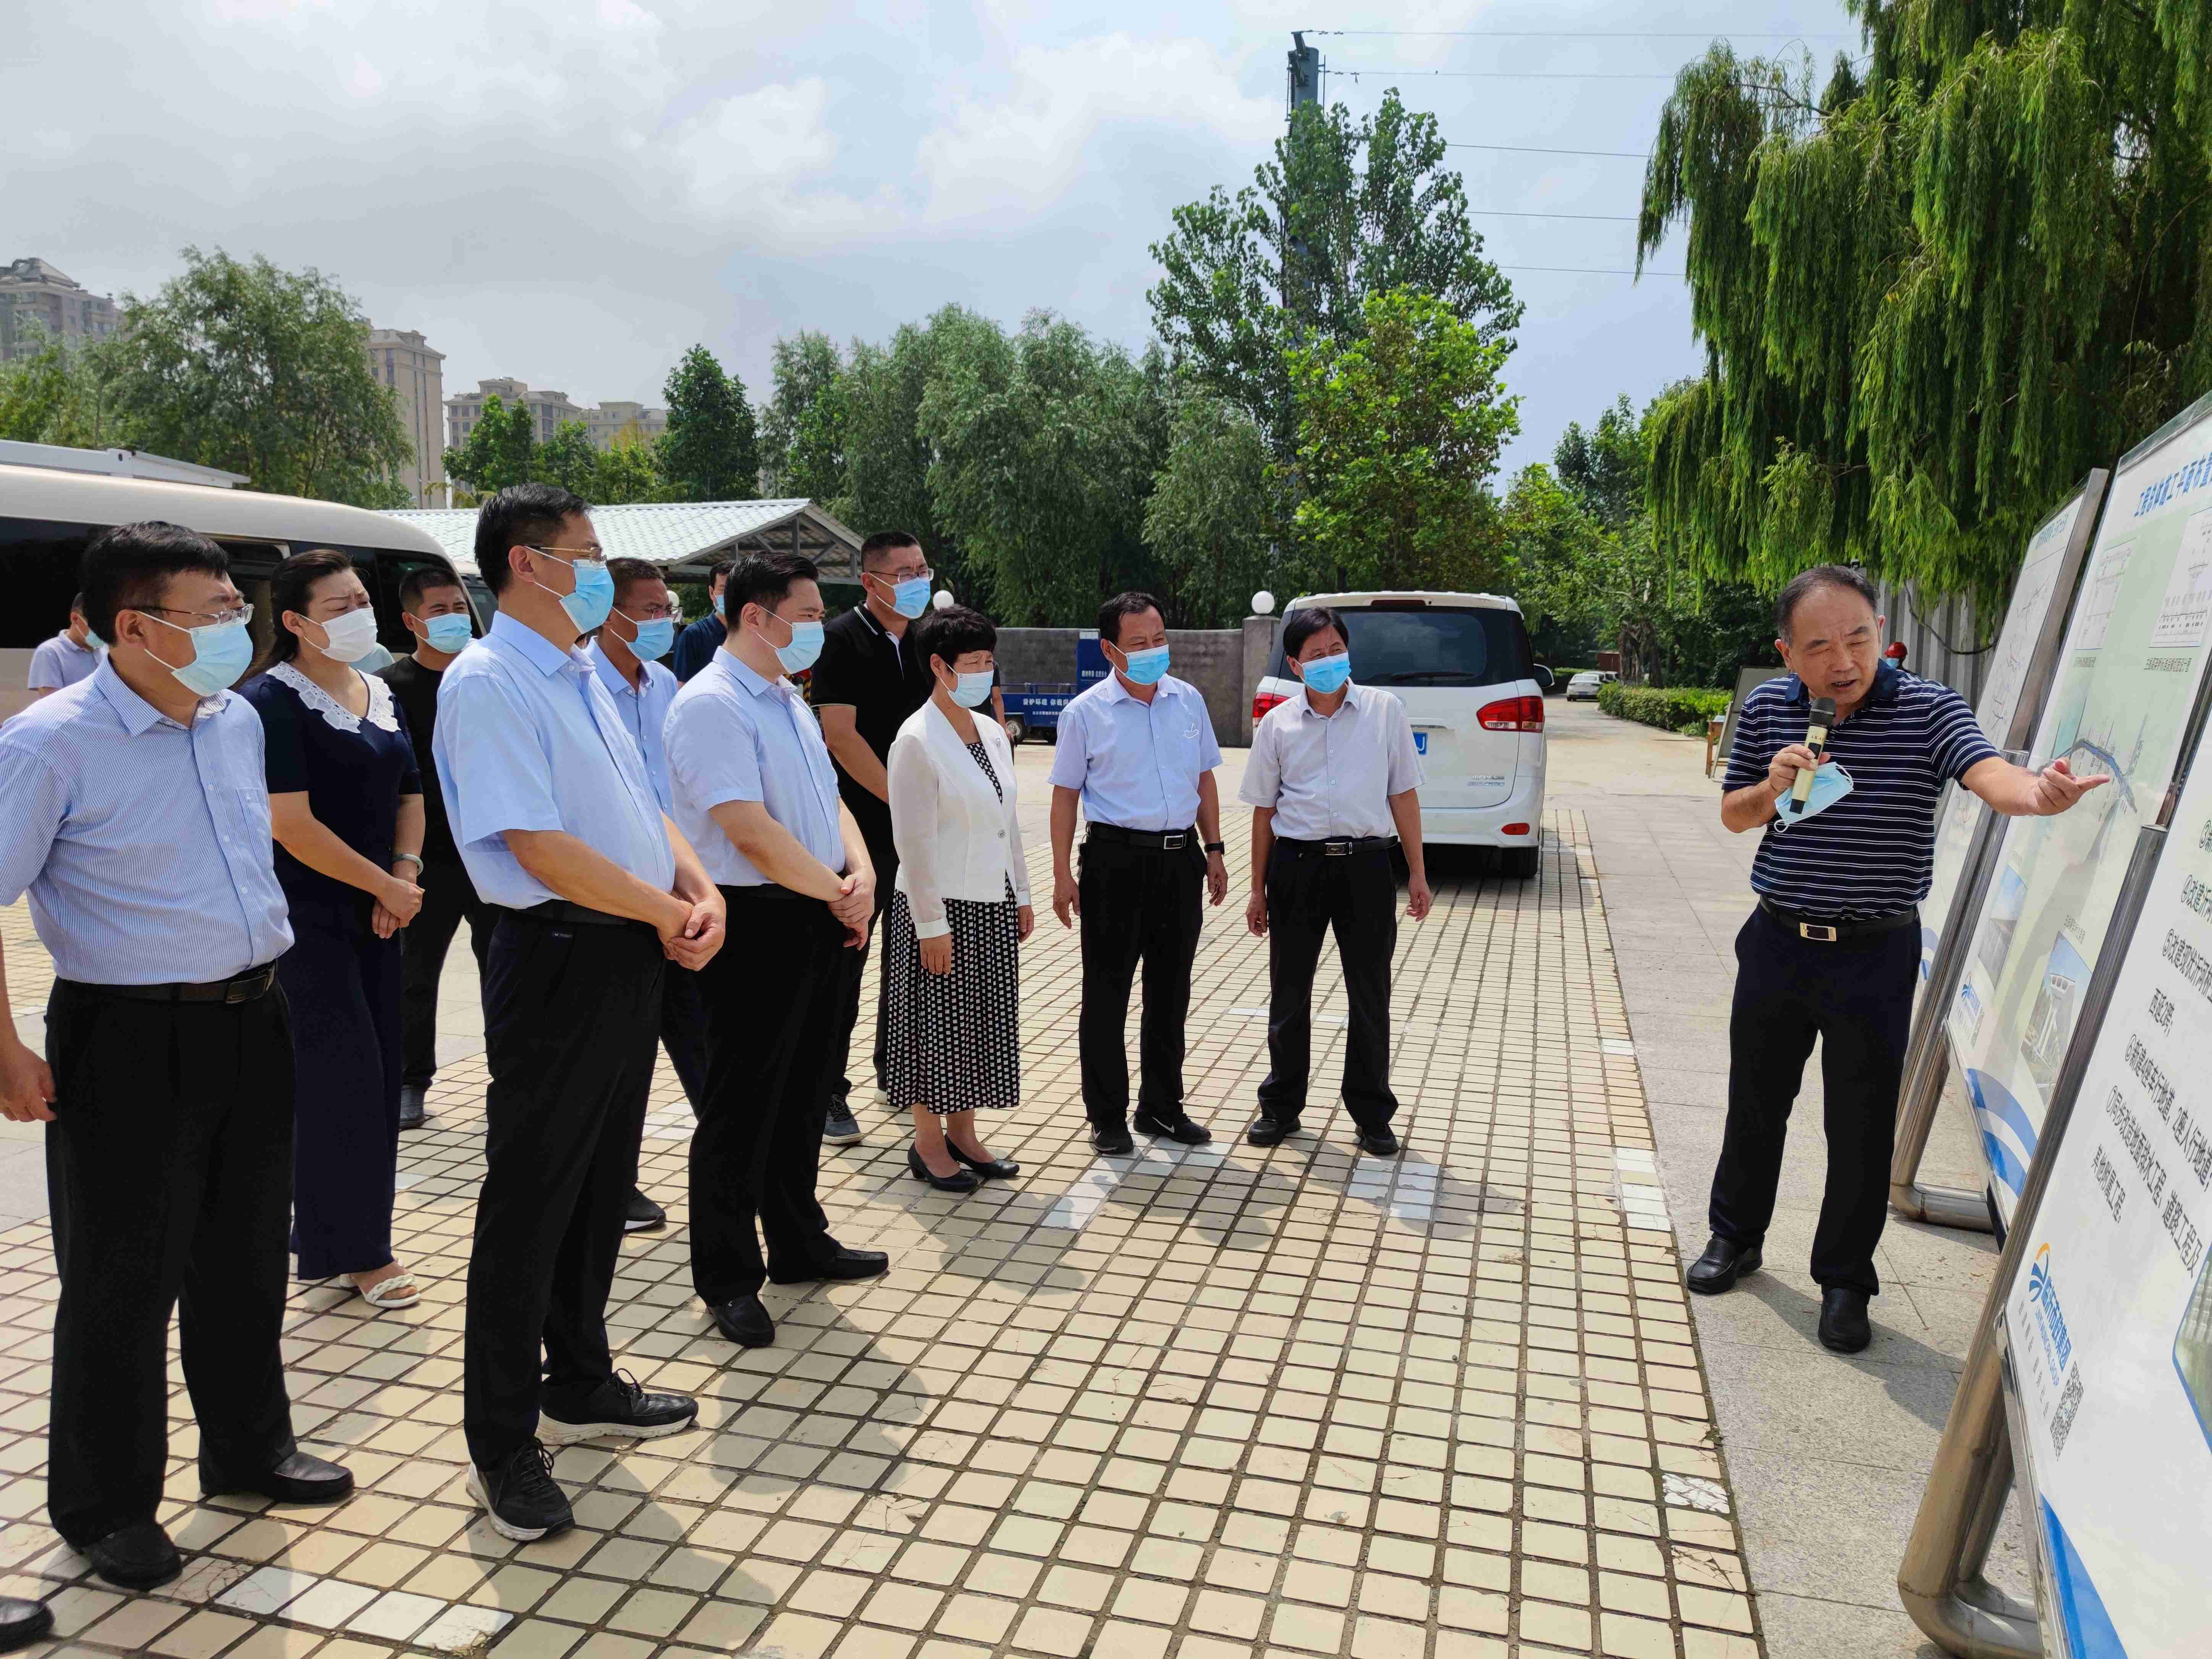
<point x="572" y="191"/>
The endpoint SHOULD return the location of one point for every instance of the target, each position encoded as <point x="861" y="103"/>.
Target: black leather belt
<point x="1827" y="930"/>
<point x="1339" y="848"/>
<point x="560" y="910"/>
<point x="1158" y="840"/>
<point x="249" y="987"/>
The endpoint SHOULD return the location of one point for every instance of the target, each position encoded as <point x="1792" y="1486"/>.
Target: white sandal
<point x="390" y="1294"/>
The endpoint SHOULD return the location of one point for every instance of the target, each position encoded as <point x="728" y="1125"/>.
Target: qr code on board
<point x="2069" y="1401"/>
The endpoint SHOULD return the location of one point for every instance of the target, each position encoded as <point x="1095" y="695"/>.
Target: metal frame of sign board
<point x="1928" y="1052"/>
<point x="1745" y="678"/>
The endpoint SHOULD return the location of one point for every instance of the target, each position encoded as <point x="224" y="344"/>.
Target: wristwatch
<point x="1218" y="847"/>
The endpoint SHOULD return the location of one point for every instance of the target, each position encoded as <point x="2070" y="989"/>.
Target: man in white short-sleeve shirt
<point x="1333" y="780"/>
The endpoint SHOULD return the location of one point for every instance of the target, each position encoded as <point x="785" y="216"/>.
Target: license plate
<point x="1420" y="743"/>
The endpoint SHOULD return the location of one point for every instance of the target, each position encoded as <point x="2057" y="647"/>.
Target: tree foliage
<point x="501" y="449"/>
<point x="1399" y="432"/>
<point x="1974" y="265"/>
<point x="803" y="422"/>
<point x="54" y="395"/>
<point x="1211" y="518"/>
<point x="711" y="451"/>
<point x="1345" y="212"/>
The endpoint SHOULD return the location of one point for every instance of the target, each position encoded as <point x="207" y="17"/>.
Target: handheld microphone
<point x="1816" y="739"/>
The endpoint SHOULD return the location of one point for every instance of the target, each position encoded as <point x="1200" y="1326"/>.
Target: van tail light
<point x="1262" y="702"/>
<point x="1513" y="714"/>
<point x="1514" y="830"/>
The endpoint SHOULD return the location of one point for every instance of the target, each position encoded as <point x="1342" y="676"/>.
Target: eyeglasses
<point x="584" y="555"/>
<point x="215" y="618"/>
<point x="923" y="573"/>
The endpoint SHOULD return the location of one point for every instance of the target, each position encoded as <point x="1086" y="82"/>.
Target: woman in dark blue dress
<point x="346" y="806"/>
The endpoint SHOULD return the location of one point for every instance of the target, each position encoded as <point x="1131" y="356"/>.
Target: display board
<point x="2127" y="676"/>
<point x="2109" y="1321"/>
<point x="1745" y="679"/>
<point x="2021" y="655"/>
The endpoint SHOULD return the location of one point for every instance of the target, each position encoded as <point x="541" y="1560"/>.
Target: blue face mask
<point x="594" y="595"/>
<point x="220" y="652"/>
<point x="448" y="634"/>
<point x="1830" y="785"/>
<point x="718" y="605"/>
<point x="909" y="596"/>
<point x="806" y="646"/>
<point x="973" y="690"/>
<point x="1146" y="667"/>
<point x="1327" y="674"/>
<point x="654" y="636"/>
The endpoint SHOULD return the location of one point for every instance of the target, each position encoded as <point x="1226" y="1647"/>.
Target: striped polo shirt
<point x="1872" y="853"/>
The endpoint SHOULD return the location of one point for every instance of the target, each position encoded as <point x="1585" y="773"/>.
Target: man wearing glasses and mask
<point x="137" y="817"/>
<point x="559" y="826"/>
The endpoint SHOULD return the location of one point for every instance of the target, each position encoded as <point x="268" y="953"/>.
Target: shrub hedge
<point x="1672" y="709"/>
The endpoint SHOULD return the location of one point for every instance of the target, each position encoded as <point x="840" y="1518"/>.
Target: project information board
<point x="2110" y="1319"/>
<point x="2045" y="578"/>
<point x="2127" y="676"/>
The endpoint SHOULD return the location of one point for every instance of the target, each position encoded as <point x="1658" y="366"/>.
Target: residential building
<point x="402" y="360"/>
<point x="38" y="303"/>
<point x="629" y="421"/>
<point x="548" y="409"/>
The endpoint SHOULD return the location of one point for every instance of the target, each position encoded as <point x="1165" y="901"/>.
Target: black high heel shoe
<point x="960" y="1181"/>
<point x="994" y="1169"/>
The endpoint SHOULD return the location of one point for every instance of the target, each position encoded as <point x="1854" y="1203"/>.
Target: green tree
<point x="1937" y="292"/>
<point x="711" y="451"/>
<point x="628" y="471"/>
<point x="1399" y="433"/>
<point x="1212" y="516"/>
<point x="803" y="422"/>
<point x="568" y="458"/>
<point x="501" y="449"/>
<point x="1346" y="211"/>
<point x="55" y="395"/>
<point x="260" y="371"/>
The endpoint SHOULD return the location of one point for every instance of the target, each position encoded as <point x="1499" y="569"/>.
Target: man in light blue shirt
<point x="755" y="788"/>
<point x="1137" y="752"/>
<point x="69" y="657"/>
<point x="558" y="824"/>
<point x="137" y="817"/>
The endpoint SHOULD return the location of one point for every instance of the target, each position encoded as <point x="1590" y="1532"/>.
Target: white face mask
<point x="350" y="637"/>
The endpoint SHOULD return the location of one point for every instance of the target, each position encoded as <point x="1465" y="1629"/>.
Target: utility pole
<point x="1306" y="73"/>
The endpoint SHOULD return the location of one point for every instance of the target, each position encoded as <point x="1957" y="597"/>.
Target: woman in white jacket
<point x="960" y="911"/>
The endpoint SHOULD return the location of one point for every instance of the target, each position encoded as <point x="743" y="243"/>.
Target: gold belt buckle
<point x="1814" y="930"/>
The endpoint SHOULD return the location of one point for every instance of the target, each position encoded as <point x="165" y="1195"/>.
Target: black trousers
<point x="883" y="853"/>
<point x="1140" y="905"/>
<point x="448" y="899"/>
<point x="757" y="1150"/>
<point x="1856" y="995"/>
<point x="342" y="985"/>
<point x="571" y="1013"/>
<point x="684" y="1030"/>
<point x="169" y="1170"/>
<point x="1357" y="895"/>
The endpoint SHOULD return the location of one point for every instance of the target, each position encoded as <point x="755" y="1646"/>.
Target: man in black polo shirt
<point x="866" y="684"/>
<point x="1832" y="948"/>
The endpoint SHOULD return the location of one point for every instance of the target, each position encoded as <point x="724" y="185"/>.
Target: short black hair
<point x="1132" y="603"/>
<point x="722" y="568"/>
<point x="425" y="579"/>
<point x="886" y="541"/>
<point x="628" y="572"/>
<point x="765" y="579"/>
<point x="953" y="632"/>
<point x="520" y="515"/>
<point x="289" y="587"/>
<point x="126" y="568"/>
<point x="1302" y="624"/>
<point x="1805" y="582"/>
<point x="76" y="606"/>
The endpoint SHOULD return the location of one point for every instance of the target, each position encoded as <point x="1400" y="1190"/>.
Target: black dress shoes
<point x="1112" y="1139"/>
<point x="23" y="1623"/>
<point x="1267" y="1129"/>
<point x="745" y="1322"/>
<point x="411" y="1096"/>
<point x="1844" y="1327"/>
<point x="1721" y="1266"/>
<point x="994" y="1169"/>
<point x="1377" y="1142"/>
<point x="135" y="1557"/>
<point x="960" y="1181"/>
<point x="843" y="1264"/>
<point x="299" y="1478"/>
<point x="1178" y="1128"/>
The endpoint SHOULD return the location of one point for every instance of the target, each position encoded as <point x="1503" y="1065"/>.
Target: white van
<point x="47" y="515"/>
<point x="1461" y="664"/>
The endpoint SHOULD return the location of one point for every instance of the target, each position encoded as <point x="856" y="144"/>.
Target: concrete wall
<point x="1211" y="658"/>
<point x="14" y="669"/>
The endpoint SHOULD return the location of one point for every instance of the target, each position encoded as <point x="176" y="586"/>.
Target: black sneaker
<point x="643" y="1215"/>
<point x="1178" y="1128"/>
<point x="521" y="1497"/>
<point x="1112" y="1139"/>
<point x="839" y="1127"/>
<point x="618" y="1408"/>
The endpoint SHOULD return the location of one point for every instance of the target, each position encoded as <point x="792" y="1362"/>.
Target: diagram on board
<point x="2187" y="606"/>
<point x="2101" y="594"/>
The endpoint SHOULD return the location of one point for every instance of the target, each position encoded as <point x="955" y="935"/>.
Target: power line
<point x="1511" y="213"/>
<point x="1599" y="34"/>
<point x="1491" y="74"/>
<point x="1592" y="270"/>
<point x="1532" y="149"/>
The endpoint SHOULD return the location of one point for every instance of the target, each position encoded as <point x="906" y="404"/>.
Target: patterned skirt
<point x="953" y="1042"/>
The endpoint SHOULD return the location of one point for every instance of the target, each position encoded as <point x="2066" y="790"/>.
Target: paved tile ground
<point x="1197" y="1405"/>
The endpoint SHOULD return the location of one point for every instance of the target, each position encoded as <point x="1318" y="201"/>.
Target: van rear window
<point x="1432" y="648"/>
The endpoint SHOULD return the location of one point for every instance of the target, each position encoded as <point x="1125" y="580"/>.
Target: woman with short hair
<point x="959" y="912"/>
<point x="346" y="808"/>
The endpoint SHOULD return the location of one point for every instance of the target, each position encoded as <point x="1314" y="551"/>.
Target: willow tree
<point x="1933" y="294"/>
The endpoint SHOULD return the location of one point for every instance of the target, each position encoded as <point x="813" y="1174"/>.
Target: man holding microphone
<point x="1847" y="802"/>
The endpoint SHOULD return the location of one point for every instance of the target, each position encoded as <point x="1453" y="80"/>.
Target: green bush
<point x="1672" y="709"/>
